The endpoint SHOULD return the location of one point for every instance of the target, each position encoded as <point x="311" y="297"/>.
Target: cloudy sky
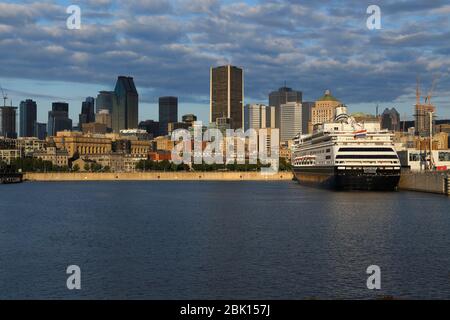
<point x="168" y="46"/>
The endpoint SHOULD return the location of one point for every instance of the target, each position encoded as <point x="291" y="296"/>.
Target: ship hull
<point x="348" y="179"/>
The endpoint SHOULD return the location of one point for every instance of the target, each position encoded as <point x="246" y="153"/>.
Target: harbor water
<point x="220" y="240"/>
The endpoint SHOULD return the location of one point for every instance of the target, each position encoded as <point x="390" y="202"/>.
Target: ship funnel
<point x="341" y="113"/>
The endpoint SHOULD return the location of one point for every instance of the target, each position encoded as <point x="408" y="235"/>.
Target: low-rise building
<point x="8" y="155"/>
<point x="29" y="145"/>
<point x="163" y="143"/>
<point x="77" y="143"/>
<point x="58" y="157"/>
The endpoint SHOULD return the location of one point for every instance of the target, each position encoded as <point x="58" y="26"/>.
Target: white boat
<point x="347" y="155"/>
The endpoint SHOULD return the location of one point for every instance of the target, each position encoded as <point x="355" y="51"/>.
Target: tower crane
<point x="5" y="97"/>
<point x="430" y="92"/>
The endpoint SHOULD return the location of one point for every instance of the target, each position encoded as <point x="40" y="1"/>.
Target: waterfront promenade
<point x="169" y="176"/>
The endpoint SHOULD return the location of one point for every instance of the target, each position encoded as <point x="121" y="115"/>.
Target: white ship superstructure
<point x="348" y="155"/>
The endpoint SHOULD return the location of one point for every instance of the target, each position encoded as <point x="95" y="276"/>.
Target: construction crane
<point x="430" y="92"/>
<point x="5" y="97"/>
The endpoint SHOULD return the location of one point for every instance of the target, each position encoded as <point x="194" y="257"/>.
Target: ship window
<point x="366" y="156"/>
<point x="361" y="149"/>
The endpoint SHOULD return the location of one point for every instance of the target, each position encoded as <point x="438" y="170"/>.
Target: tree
<point x="76" y="168"/>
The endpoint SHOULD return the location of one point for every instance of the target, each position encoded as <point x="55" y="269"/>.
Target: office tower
<point x="28" y="117"/>
<point x="104" y="101"/>
<point x="282" y="96"/>
<point x="125" y="105"/>
<point x="152" y="127"/>
<point x="390" y="119"/>
<point x="8" y="122"/>
<point x="87" y="114"/>
<point x="168" y="112"/>
<point x="223" y="124"/>
<point x="189" y="118"/>
<point x="324" y="109"/>
<point x="290" y="120"/>
<point x="307" y="107"/>
<point x="255" y="116"/>
<point x="270" y="117"/>
<point x="58" y="118"/>
<point x="41" y="130"/>
<point x="104" y="117"/>
<point x="227" y="95"/>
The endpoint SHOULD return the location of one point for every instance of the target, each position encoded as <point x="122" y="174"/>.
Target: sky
<point x="168" y="46"/>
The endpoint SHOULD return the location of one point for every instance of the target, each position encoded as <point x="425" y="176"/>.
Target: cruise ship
<point x="347" y="155"/>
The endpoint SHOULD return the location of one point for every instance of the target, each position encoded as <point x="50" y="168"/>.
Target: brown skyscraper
<point x="227" y="94"/>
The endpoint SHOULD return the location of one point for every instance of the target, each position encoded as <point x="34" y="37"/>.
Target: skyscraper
<point x="168" y="112"/>
<point x="282" y="96"/>
<point x="307" y="107"/>
<point x="8" y="122"/>
<point x="125" y="105"/>
<point x="58" y="118"/>
<point x="227" y="95"/>
<point x="290" y="120"/>
<point x="104" y="101"/>
<point x="41" y="131"/>
<point x="28" y="117"/>
<point x="104" y="117"/>
<point x="390" y="119"/>
<point x="189" y="118"/>
<point x="255" y="116"/>
<point x="87" y="114"/>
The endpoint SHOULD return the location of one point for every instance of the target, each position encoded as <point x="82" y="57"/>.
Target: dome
<point x="327" y="97"/>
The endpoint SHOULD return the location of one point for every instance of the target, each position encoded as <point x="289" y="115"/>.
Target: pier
<point x="168" y="176"/>
<point x="433" y="182"/>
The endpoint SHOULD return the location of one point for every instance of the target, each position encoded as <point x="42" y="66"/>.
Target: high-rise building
<point x="227" y="95"/>
<point x="104" y="117"/>
<point x="28" y="117"/>
<point x="270" y="117"/>
<point x="307" y="107"/>
<point x="125" y="105"/>
<point x="168" y="112"/>
<point x="41" y="131"/>
<point x="104" y="101"/>
<point x="58" y="118"/>
<point x="290" y="120"/>
<point x="151" y="126"/>
<point x="390" y="119"/>
<point x="255" y="116"/>
<point x="87" y="114"/>
<point x="281" y="96"/>
<point x="8" y="122"/>
<point x="424" y="115"/>
<point x="189" y="118"/>
<point x="424" y="119"/>
<point x="324" y="109"/>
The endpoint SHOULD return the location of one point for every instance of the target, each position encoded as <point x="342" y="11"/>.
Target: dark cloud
<point x="169" y="46"/>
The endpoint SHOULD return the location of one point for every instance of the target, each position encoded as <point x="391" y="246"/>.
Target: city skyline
<point x="275" y="41"/>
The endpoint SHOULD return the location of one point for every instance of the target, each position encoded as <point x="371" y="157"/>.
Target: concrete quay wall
<point x="169" y="176"/>
<point x="434" y="182"/>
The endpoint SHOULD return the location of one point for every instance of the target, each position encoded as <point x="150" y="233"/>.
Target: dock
<point x="432" y="181"/>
